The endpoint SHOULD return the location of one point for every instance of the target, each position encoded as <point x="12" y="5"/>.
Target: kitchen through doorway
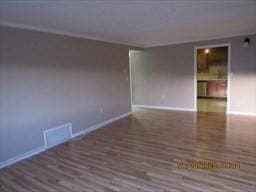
<point x="212" y="67"/>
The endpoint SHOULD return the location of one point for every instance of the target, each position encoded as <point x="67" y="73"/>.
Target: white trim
<point x="229" y="79"/>
<point x="199" y="40"/>
<point x="61" y="126"/>
<point x="61" y="32"/>
<point x="241" y="113"/>
<point x="84" y="36"/>
<point x="43" y="148"/>
<point x="195" y="78"/>
<point x="190" y="109"/>
<point x="130" y="73"/>
<point x="21" y="157"/>
<point x="94" y="127"/>
<point x="229" y="71"/>
<point x="164" y="108"/>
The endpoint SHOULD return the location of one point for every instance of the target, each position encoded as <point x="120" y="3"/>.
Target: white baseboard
<point x="241" y="113"/>
<point x="92" y="128"/>
<point x="190" y="109"/>
<point x="21" y="157"/>
<point x="164" y="108"/>
<point x="43" y="148"/>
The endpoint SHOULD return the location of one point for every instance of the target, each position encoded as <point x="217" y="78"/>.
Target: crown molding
<point x="65" y="33"/>
<point x="133" y="45"/>
<point x="199" y="40"/>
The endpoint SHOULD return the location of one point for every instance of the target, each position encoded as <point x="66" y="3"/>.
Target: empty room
<point x="126" y="96"/>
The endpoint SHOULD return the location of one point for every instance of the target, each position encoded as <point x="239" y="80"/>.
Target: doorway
<point x="212" y="65"/>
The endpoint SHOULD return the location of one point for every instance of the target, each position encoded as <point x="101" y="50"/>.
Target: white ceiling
<point x="139" y="22"/>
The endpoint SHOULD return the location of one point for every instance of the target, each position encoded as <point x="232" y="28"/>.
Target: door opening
<point x="212" y="64"/>
<point x="133" y="55"/>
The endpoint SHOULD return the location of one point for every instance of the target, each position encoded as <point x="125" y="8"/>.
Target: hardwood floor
<point x="141" y="152"/>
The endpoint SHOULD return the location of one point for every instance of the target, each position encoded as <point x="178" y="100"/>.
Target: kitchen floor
<point x="211" y="105"/>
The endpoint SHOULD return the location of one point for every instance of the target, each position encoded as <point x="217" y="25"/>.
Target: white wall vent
<point x="57" y="135"/>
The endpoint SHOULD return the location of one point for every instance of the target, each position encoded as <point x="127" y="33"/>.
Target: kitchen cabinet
<point x="215" y="57"/>
<point x="202" y="63"/>
<point x="219" y="58"/>
<point x="202" y="88"/>
<point x="212" y="88"/>
<point x="217" y="88"/>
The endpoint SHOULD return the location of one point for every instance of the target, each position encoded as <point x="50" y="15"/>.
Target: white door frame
<point x="130" y="76"/>
<point x="228" y="76"/>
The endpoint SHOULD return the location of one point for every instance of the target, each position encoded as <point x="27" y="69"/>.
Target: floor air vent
<point x="57" y="135"/>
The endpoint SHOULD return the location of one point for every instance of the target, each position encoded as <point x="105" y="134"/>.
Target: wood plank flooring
<point x="141" y="152"/>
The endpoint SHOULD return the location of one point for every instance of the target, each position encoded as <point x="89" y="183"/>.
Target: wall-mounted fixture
<point x="246" y="42"/>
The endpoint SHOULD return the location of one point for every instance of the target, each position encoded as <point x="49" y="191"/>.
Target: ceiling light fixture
<point x="206" y="51"/>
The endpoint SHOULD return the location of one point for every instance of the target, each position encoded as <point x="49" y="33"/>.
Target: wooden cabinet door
<point x="222" y="88"/>
<point x="217" y="89"/>
<point x="201" y="63"/>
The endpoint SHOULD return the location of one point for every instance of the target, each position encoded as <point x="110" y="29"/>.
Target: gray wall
<point x="164" y="76"/>
<point x="48" y="80"/>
